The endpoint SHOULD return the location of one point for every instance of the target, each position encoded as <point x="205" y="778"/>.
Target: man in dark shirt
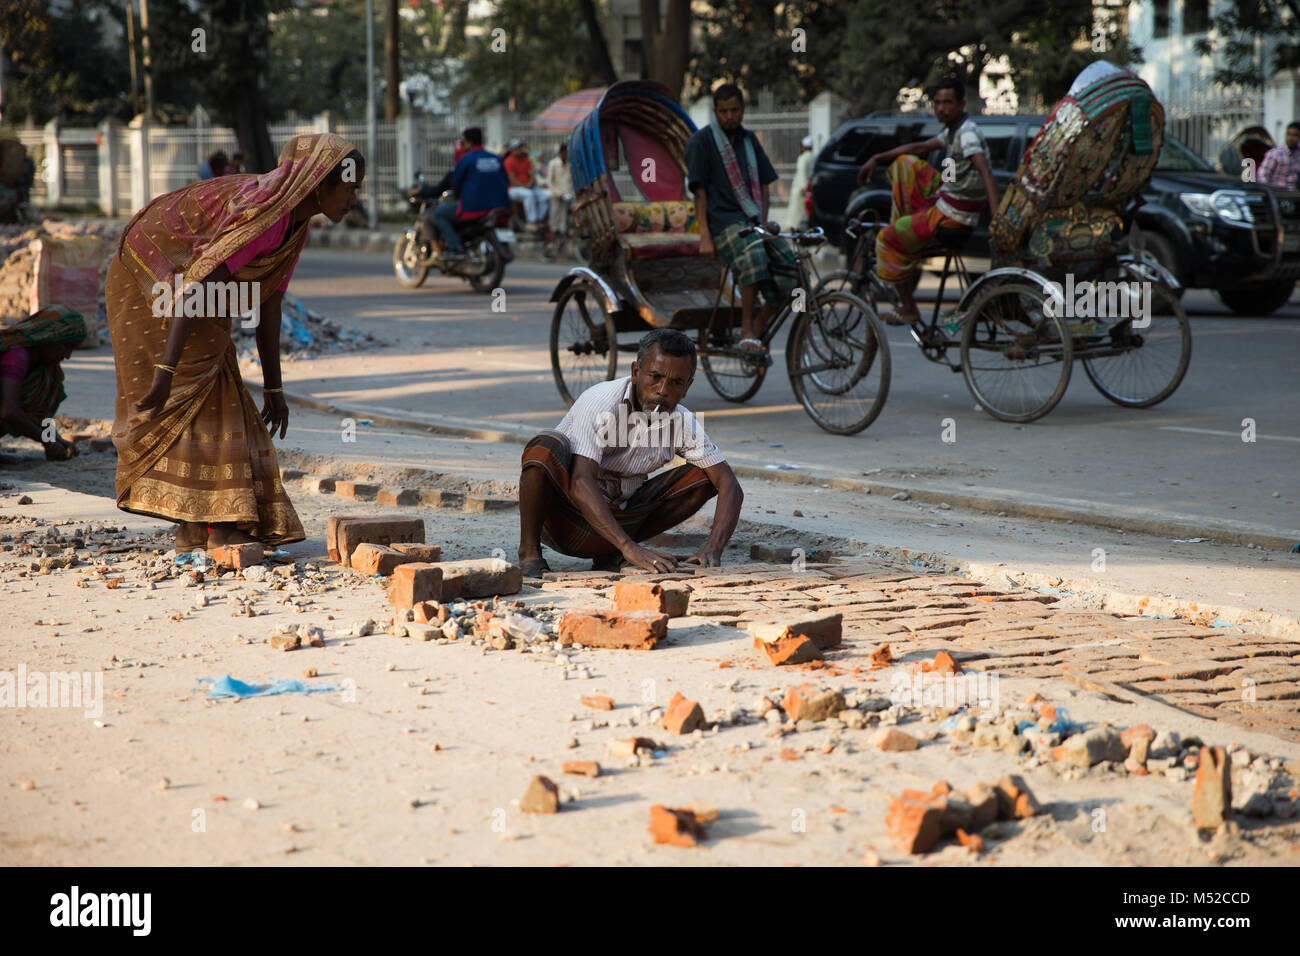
<point x="729" y="174"/>
<point x="479" y="179"/>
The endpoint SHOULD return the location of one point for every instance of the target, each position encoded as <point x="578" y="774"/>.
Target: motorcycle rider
<point x="479" y="179"/>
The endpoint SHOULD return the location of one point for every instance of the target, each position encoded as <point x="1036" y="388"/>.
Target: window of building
<point x="1161" y="19"/>
<point x="1196" y="16"/>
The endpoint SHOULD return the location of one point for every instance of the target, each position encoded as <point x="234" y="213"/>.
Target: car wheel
<point x="1258" y="300"/>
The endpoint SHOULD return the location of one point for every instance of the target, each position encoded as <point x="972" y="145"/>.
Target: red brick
<point x="882" y="656"/>
<point x="481" y="503"/>
<point x="356" y="489"/>
<point x="480" y="577"/>
<point x="1015" y="800"/>
<point x="332" y="533"/>
<point x="371" y="558"/>
<point x="286" y="642"/>
<point x="824" y="630"/>
<point x="914" y="825"/>
<point x="239" y="555"/>
<point x="321" y="484"/>
<point x="429" y="612"/>
<point x="683" y="715"/>
<point x="661" y="597"/>
<point x="542" y="796"/>
<point x="807" y="703"/>
<point x="585" y="768"/>
<point x="630" y="746"/>
<point x="972" y="840"/>
<point x="1136" y="731"/>
<point x="437" y="498"/>
<point x="414" y="583"/>
<point x="397" y="496"/>
<point x="789" y="650"/>
<point x="598" y="703"/>
<point x="1212" y="799"/>
<point x="418" y="552"/>
<point x="638" y="630"/>
<point x="349" y="532"/>
<point x="675" y="827"/>
<point x="941" y="789"/>
<point x="943" y="664"/>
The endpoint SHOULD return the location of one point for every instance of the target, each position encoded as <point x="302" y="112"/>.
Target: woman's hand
<point x="60" y="449"/>
<point x="156" y="398"/>
<point x="275" y="412"/>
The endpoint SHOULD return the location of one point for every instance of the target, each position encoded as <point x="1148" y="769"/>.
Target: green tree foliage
<point x="1253" y="39"/>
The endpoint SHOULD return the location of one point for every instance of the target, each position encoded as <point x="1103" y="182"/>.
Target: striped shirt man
<point x="604" y="426"/>
<point x="1281" y="167"/>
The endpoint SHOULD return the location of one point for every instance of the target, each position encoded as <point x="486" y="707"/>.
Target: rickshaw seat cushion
<point x="660" y="245"/>
<point x="676" y="217"/>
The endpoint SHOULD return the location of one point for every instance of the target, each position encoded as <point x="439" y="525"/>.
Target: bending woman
<point x="31" y="376"/>
<point x="192" y="446"/>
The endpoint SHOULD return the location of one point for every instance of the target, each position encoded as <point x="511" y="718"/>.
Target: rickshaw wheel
<point x="584" y="343"/>
<point x="1015" y="356"/>
<point x="1153" y="358"/>
<point x="838" y="362"/>
<point x="734" y="378"/>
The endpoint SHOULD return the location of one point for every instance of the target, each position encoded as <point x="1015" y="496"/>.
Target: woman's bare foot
<point x="191" y="535"/>
<point x="226" y="533"/>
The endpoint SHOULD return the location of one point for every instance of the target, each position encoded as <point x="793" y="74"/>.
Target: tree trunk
<point x="667" y="51"/>
<point x="249" y="121"/>
<point x="604" y="64"/>
<point x="392" y="62"/>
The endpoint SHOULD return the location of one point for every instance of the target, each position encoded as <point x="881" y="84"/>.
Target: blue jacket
<point x="480" y="180"/>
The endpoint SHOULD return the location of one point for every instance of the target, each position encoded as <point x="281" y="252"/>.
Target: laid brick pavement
<point x="1249" y="680"/>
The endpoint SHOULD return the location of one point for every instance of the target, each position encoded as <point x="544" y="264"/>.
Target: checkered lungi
<point x="567" y="530"/>
<point x="914" y="218"/>
<point x="747" y="257"/>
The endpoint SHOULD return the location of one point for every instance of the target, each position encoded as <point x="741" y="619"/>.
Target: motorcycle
<point x="486" y="240"/>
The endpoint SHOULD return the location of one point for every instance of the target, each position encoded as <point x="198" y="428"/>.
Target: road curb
<point x="1156" y="525"/>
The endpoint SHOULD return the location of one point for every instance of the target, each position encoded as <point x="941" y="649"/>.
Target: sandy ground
<point x="423" y="751"/>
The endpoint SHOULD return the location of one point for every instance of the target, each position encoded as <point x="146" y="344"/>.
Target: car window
<point x="1177" y="158"/>
<point x="862" y="142"/>
<point x="999" y="138"/>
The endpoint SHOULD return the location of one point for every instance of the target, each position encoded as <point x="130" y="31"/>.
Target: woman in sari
<point x="31" y="376"/>
<point x="192" y="446"/>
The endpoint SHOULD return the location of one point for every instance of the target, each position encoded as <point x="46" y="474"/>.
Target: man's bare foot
<point x="191" y="535"/>
<point x="534" y="567"/>
<point x="227" y="533"/>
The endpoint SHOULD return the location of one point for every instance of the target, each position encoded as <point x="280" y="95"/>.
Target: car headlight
<point x="1229" y="205"/>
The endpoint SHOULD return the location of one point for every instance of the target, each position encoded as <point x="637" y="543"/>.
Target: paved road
<point x="455" y="360"/>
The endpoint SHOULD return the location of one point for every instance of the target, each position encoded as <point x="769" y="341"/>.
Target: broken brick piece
<point x="598" y="703"/>
<point x="437" y="498"/>
<point x="943" y="663"/>
<point x="805" y="703"/>
<point x="682" y="715"/>
<point x="636" y="630"/>
<point x="914" y="825"/>
<point x="285" y="642"/>
<point x="1212" y="799"/>
<point x="429" y="612"/>
<point x="345" y="533"/>
<point x="1136" y="732"/>
<point x="630" y="746"/>
<point x="661" y="597"/>
<point x="239" y="556"/>
<point x="892" y="739"/>
<point x="972" y="840"/>
<point x="321" y="484"/>
<point x="882" y="656"/>
<point x="585" y="768"/>
<point x="789" y="650"/>
<point x="983" y="801"/>
<point x="824" y="630"/>
<point x="418" y="552"/>
<point x="413" y="583"/>
<point x="371" y="558"/>
<point x="480" y="577"/>
<point x="482" y="503"/>
<point x="542" y="796"/>
<point x="675" y="827"/>
<point x="1015" y="800"/>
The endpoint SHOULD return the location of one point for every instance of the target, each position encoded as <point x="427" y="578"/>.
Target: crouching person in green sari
<point x="31" y="376"/>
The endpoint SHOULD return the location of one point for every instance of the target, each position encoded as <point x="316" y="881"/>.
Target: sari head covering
<point x="42" y="389"/>
<point x="207" y="457"/>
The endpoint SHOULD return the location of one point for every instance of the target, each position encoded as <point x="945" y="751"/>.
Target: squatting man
<point x="586" y="488"/>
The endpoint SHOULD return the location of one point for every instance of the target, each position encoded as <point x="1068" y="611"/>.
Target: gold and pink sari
<point x="208" y="457"/>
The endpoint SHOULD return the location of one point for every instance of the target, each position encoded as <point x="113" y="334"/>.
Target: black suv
<point x="1211" y="230"/>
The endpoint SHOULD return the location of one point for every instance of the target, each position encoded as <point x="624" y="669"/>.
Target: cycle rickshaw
<point x="645" y="272"/>
<point x="1017" y="328"/>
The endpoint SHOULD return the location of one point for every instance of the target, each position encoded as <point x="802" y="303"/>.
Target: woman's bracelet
<point x="169" y="369"/>
<point x="265" y="389"/>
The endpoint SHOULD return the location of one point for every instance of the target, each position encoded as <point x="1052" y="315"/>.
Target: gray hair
<point x="669" y="342"/>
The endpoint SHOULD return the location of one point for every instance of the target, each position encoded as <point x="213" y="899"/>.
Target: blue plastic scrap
<point x="230" y="687"/>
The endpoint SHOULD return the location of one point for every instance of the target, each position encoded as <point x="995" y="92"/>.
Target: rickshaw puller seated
<point x="729" y="173"/>
<point x="926" y="200"/>
<point x="585" y="488"/>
